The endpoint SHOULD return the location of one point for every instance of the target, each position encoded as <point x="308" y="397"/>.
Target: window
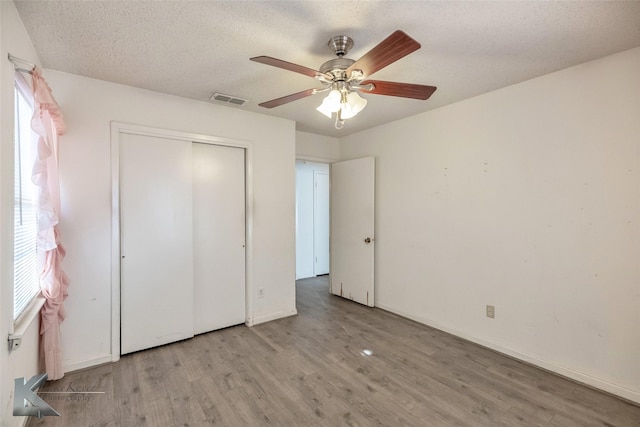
<point x="25" y="227"/>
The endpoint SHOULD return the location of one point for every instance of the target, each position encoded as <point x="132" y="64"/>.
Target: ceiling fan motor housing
<point x="337" y="68"/>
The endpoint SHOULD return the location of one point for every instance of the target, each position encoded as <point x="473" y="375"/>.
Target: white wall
<point x="305" y="216"/>
<point x="321" y="148"/>
<point x="24" y="361"/>
<point x="89" y="106"/>
<point x="526" y="198"/>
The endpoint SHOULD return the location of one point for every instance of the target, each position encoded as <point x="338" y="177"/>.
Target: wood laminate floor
<point x="336" y="363"/>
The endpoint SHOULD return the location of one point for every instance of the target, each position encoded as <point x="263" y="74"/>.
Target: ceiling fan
<point x="343" y="78"/>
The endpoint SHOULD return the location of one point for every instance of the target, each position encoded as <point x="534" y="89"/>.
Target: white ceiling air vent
<point x="228" y="99"/>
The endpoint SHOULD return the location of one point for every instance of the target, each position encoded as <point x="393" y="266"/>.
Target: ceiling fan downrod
<point x="340" y="45"/>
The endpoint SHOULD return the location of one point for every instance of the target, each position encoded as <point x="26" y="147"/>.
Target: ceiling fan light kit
<point x="344" y="77"/>
<point x="353" y="105"/>
<point x="344" y="102"/>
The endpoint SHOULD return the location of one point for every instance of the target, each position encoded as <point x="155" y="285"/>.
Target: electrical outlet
<point x="261" y="293"/>
<point x="491" y="311"/>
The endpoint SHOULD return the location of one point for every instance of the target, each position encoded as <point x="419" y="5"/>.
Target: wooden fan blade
<point x="288" y="66"/>
<point x="404" y="90"/>
<point x="396" y="46"/>
<point x="286" y="99"/>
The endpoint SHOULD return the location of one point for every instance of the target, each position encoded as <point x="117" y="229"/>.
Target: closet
<point x="182" y="239"/>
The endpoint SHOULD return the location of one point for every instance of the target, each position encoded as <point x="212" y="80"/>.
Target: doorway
<point x="312" y="219"/>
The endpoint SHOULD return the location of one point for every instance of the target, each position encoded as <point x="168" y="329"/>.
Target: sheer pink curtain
<point x="48" y="124"/>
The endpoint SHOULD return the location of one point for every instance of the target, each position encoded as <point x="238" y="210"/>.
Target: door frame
<point x="118" y="128"/>
<point x="328" y="218"/>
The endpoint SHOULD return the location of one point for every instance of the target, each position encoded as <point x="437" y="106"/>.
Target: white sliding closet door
<point x="219" y="236"/>
<point x="156" y="244"/>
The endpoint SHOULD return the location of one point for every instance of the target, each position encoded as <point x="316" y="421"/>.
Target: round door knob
<point x="367" y="240"/>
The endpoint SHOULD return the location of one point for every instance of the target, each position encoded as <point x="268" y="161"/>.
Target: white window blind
<point x="25" y="255"/>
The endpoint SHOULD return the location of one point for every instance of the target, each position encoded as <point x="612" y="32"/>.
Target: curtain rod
<point x="17" y="61"/>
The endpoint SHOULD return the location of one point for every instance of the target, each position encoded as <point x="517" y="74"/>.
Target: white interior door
<point x="352" y="229"/>
<point x="155" y="244"/>
<point x="219" y="236"/>
<point x="321" y="223"/>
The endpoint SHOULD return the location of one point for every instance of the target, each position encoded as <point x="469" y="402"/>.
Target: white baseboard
<point x="108" y="358"/>
<point x="273" y="316"/>
<point x="625" y="393"/>
<point x="76" y="366"/>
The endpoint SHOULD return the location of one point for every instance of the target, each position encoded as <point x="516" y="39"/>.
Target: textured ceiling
<point x="195" y="48"/>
